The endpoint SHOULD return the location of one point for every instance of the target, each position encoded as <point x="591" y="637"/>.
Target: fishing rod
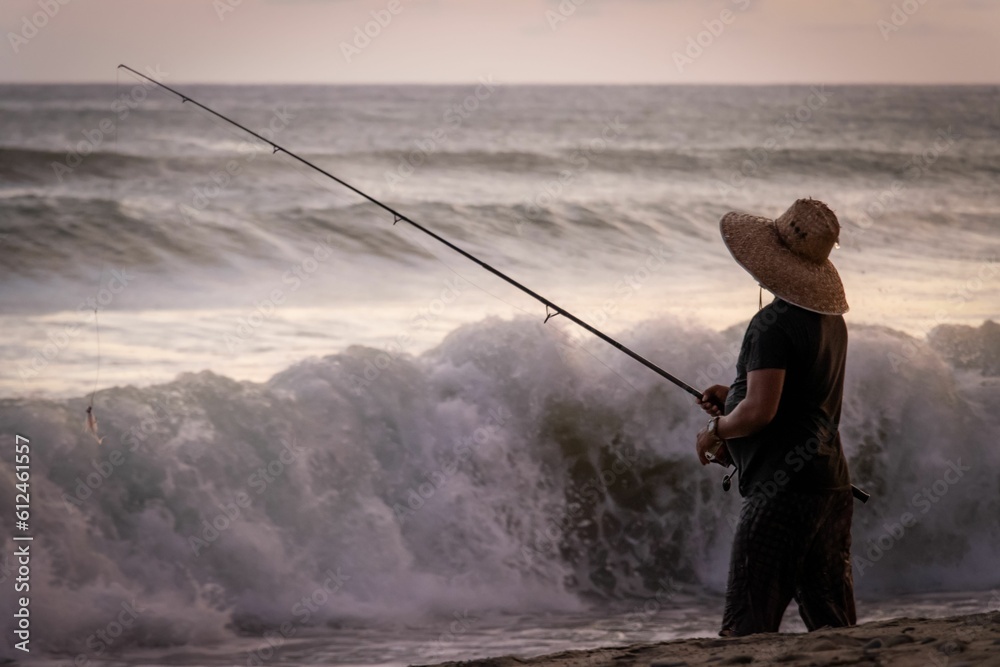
<point x="551" y="309"/>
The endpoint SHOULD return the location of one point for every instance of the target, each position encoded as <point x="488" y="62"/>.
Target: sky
<point x="515" y="41"/>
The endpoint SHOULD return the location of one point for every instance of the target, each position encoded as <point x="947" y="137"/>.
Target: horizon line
<point x="530" y="83"/>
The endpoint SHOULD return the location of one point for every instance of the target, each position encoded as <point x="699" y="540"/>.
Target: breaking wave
<point x="505" y="469"/>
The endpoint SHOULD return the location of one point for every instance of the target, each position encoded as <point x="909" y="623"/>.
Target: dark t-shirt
<point x="800" y="449"/>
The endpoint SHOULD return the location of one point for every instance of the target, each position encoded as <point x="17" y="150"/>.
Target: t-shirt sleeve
<point x="770" y="347"/>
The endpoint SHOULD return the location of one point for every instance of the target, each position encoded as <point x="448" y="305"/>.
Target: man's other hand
<point x="707" y="444"/>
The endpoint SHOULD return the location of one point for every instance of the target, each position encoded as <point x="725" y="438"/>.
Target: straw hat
<point x="789" y="256"/>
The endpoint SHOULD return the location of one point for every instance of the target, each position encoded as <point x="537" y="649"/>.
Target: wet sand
<point x="958" y="641"/>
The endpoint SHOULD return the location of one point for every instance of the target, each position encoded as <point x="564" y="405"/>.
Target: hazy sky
<point x="606" y="41"/>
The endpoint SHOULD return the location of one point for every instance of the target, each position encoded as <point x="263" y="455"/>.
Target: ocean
<point x="329" y="438"/>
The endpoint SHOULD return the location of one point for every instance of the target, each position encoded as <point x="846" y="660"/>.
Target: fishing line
<point x="90" y="424"/>
<point x="97" y="331"/>
<point x="118" y="86"/>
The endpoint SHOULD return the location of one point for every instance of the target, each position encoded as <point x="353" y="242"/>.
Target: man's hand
<point x="710" y="444"/>
<point x="713" y="399"/>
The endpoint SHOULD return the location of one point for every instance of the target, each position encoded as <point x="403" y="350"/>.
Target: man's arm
<point x="758" y="408"/>
<point x="752" y="414"/>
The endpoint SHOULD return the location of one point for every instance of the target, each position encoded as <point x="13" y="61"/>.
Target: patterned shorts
<point x="791" y="545"/>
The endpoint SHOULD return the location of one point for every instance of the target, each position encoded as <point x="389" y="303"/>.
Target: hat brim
<point x="754" y="243"/>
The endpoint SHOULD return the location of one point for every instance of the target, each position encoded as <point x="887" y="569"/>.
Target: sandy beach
<point x="956" y="641"/>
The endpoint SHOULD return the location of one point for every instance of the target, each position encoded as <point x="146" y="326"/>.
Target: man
<point x="779" y="427"/>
